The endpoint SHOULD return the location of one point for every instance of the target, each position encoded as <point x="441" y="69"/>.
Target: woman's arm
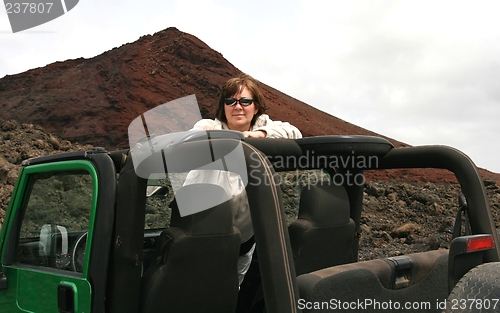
<point x="276" y="129"/>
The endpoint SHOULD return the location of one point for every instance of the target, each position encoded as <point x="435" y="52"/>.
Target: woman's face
<point x="239" y="117"/>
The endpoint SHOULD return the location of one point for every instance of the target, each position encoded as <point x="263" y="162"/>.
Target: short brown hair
<point x="234" y="86"/>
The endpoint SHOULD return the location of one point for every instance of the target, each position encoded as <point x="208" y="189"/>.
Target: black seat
<point x="412" y="279"/>
<point x="323" y="234"/>
<point x="195" y="264"/>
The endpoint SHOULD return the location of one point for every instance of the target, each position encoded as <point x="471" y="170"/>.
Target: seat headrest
<point x="213" y="221"/>
<point x="324" y="205"/>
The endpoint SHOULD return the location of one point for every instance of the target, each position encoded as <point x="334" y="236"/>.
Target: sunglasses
<point x="243" y="101"/>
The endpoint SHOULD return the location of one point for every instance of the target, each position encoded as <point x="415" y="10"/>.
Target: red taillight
<point x="480" y="243"/>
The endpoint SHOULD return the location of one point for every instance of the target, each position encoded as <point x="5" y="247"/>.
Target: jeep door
<point x="46" y="254"/>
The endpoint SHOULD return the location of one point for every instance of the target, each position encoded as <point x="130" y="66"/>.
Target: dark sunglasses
<point x="243" y="101"/>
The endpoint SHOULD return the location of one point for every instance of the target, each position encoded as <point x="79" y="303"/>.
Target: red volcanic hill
<point x="94" y="100"/>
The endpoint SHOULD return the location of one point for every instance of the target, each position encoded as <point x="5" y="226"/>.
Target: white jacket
<point x="273" y="129"/>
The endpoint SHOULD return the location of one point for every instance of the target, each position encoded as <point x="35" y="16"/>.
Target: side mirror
<point x="157" y="191"/>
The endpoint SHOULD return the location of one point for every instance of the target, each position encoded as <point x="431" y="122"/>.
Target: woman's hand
<point x="255" y="134"/>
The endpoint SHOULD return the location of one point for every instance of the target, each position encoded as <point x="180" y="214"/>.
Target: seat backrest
<point x="323" y="234"/>
<point x="195" y="264"/>
<point x="419" y="279"/>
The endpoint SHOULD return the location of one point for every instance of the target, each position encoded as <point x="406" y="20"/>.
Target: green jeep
<point x="98" y="231"/>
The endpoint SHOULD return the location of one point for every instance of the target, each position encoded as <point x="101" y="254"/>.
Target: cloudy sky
<point x="422" y="72"/>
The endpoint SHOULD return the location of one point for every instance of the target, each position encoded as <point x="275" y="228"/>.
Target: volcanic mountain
<point x="92" y="101"/>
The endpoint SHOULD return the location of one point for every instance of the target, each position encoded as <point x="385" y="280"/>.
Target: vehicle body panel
<point x="37" y="288"/>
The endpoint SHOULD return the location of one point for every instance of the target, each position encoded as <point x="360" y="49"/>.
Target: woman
<point x="241" y="107"/>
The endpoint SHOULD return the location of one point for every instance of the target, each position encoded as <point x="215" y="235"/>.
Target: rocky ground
<point x="401" y="217"/>
<point x="398" y="218"/>
<point x="19" y="142"/>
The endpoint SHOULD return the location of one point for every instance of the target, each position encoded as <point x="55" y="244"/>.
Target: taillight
<point x="478" y="243"/>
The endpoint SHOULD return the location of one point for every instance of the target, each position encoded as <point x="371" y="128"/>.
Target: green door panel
<point x="46" y="269"/>
<point x="37" y="291"/>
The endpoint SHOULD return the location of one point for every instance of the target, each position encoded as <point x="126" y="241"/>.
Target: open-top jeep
<point x="118" y="232"/>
